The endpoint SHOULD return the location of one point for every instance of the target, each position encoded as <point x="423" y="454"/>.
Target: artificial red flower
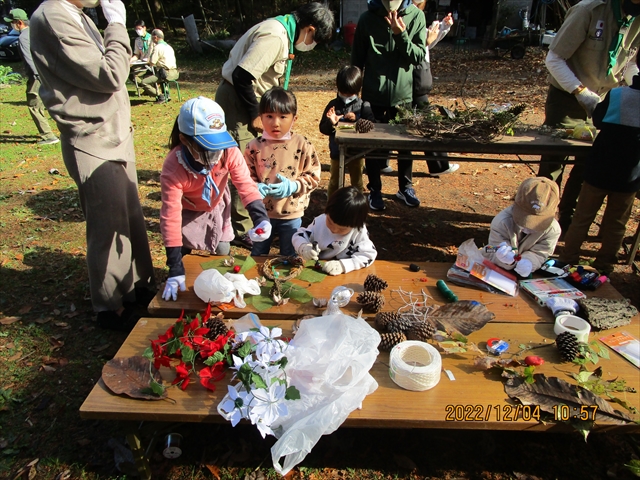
<point x="182" y="375"/>
<point x="157" y="347"/>
<point x="190" y="327"/>
<point x="161" y="361"/>
<point x="208" y="375"/>
<point x="207" y="314"/>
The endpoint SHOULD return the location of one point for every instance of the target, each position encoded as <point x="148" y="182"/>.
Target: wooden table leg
<point x="633" y="250"/>
<point x="341" y="167"/>
<point x="139" y="455"/>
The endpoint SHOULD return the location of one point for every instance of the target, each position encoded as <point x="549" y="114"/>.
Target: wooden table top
<point x="397" y="137"/>
<point x="520" y="309"/>
<point x="389" y="406"/>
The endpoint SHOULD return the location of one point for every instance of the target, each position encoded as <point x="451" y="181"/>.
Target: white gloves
<point x="308" y="252"/>
<point x="333" y="267"/>
<point x="561" y="305"/>
<point x="114" y="11"/>
<point x="171" y="287"/>
<point x="261" y="232"/>
<point x="588" y="100"/>
<point x="505" y="254"/>
<point x="524" y="267"/>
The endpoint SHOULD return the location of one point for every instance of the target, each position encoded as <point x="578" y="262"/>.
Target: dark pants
<point x="405" y="160"/>
<point x="562" y="110"/>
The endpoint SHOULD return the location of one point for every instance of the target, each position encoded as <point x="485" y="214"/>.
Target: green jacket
<point x="388" y="59"/>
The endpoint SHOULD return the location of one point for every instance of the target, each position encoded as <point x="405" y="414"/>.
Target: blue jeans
<point x="285" y="229"/>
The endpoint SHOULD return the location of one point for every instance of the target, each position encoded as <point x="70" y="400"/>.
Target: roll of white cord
<point x="415" y="365"/>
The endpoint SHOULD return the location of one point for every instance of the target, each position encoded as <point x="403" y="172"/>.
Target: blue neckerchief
<point x="209" y="184"/>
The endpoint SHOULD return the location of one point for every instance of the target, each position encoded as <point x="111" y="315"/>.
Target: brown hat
<point x="535" y="204"/>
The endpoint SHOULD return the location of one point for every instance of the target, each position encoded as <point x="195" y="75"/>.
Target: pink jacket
<point x="182" y="189"/>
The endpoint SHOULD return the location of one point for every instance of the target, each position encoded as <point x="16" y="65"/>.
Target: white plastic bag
<point x="211" y="286"/>
<point x="242" y="286"/>
<point x="328" y="362"/>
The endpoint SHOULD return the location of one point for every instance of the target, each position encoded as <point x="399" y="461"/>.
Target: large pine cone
<point x="400" y="324"/>
<point x="567" y="344"/>
<point x="216" y="327"/>
<point x="371" y="301"/>
<point x="421" y="330"/>
<point x="373" y="283"/>
<point x="383" y="318"/>
<point x="363" y="125"/>
<point x="390" y="340"/>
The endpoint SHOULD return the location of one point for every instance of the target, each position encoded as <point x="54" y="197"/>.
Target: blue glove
<point x="284" y="189"/>
<point x="263" y="189"/>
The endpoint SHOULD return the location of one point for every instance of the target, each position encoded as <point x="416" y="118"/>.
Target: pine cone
<point x="567" y="344"/>
<point x="216" y="327"/>
<point x="374" y="283"/>
<point x="400" y="324"/>
<point x="371" y="301"/>
<point x="390" y="340"/>
<point x="383" y="318"/>
<point x="421" y="331"/>
<point x="363" y="125"/>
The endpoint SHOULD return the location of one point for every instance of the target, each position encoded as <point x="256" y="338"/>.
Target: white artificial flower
<point x="230" y="405"/>
<point x="268" y="405"/>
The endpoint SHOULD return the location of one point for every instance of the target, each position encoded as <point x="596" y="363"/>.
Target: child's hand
<point x="284" y="189"/>
<point x="263" y="189"/>
<point x="448" y="20"/>
<point x="395" y="22"/>
<point x="350" y="116"/>
<point x="308" y="252"/>
<point x="261" y="232"/>
<point x="333" y="267"/>
<point x="171" y="287"/>
<point x="331" y="115"/>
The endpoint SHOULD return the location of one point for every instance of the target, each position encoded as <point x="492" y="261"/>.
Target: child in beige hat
<point x="525" y="234"/>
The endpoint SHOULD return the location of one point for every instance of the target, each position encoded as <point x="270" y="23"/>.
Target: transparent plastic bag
<point x="242" y="286"/>
<point x="328" y="362"/>
<point x="211" y="286"/>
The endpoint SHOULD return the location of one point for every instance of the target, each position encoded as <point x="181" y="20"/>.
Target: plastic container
<point x="349" y="31"/>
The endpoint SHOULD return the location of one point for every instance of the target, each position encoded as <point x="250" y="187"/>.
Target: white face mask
<point x="89" y="3"/>
<point x="140" y="32"/>
<point x="350" y="99"/>
<point x="303" y="47"/>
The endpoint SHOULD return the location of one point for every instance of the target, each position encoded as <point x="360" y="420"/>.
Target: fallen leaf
<point x="25" y="309"/>
<point x="48" y="368"/>
<point x="56" y="312"/>
<point x="9" y="320"/>
<point x="15" y="357"/>
<point x="55" y="343"/>
<point x="19" y="256"/>
<point x="44" y="320"/>
<point x="63" y="475"/>
<point x="131" y="376"/>
<point x="101" y="348"/>
<point x="214" y="470"/>
<point x="63" y="361"/>
<point x="61" y="324"/>
<point x="71" y="315"/>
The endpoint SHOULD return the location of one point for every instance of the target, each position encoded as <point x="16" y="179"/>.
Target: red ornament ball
<point x="532" y="360"/>
<point x="236" y="269"/>
<point x="260" y="231"/>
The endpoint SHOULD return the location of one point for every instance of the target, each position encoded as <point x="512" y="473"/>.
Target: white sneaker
<point x="452" y="168"/>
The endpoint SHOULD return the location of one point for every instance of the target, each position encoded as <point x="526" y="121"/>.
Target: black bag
<point x="161" y="73"/>
<point x="422" y="82"/>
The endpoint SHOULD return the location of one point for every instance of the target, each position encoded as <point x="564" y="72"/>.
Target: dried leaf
<point x="15" y="357"/>
<point x="131" y="376"/>
<point x="9" y="320"/>
<point x="47" y="368"/>
<point x="61" y="324"/>
<point x="101" y="348"/>
<point x="486" y="363"/>
<point x="464" y="316"/>
<point x="214" y="470"/>
<point x="44" y="320"/>
<point x="63" y="475"/>
<point x="553" y="391"/>
<point x="25" y="309"/>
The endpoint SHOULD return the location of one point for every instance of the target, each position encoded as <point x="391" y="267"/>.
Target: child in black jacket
<point x="346" y="107"/>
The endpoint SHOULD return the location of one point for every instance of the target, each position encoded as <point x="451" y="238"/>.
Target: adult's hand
<point x="256" y="126"/>
<point x="432" y="32"/>
<point x="505" y="254"/>
<point x="448" y="20"/>
<point x="395" y="22"/>
<point x="524" y="267"/>
<point x="172" y="286"/>
<point x="114" y="11"/>
<point x="588" y="100"/>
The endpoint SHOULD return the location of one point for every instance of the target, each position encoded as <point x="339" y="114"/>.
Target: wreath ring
<point x="269" y="267"/>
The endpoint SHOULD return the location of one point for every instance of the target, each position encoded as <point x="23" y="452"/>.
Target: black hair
<point x="139" y="23"/>
<point x="318" y="16"/>
<point x="174" y="138"/>
<point x="349" y="80"/>
<point x="278" y="100"/>
<point x="348" y="207"/>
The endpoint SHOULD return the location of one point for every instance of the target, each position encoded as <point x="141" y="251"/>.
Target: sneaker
<point x="386" y="169"/>
<point x="160" y="100"/>
<point x="375" y="200"/>
<point x="452" y="168"/>
<point x="49" y="141"/>
<point x="409" y="197"/>
<point x="243" y="241"/>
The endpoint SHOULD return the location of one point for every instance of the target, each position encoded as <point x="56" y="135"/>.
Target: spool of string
<point x="415" y="365"/>
<point x="172" y="445"/>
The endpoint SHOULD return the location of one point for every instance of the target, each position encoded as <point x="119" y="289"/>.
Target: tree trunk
<point x="153" y="20"/>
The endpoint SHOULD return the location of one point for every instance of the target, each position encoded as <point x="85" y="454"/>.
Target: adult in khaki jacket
<point x="83" y="87"/>
<point x="163" y="59"/>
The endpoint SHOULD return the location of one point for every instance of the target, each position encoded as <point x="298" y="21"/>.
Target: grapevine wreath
<point x="296" y="265"/>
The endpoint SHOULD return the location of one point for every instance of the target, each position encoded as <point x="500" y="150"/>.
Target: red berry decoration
<point x="532" y="360"/>
<point x="259" y="231"/>
<point x="236" y="269"/>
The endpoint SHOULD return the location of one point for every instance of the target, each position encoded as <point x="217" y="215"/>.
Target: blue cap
<point x="203" y="119"/>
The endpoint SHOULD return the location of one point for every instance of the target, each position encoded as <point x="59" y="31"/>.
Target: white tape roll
<point x="415" y="365"/>
<point x="576" y="325"/>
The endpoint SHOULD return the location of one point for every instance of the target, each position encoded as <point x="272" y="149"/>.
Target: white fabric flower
<point x="237" y="404"/>
<point x="268" y="405"/>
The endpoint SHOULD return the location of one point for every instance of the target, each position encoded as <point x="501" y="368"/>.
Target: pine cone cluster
<point x="567" y="344"/>
<point x="371" y="301"/>
<point x="390" y="340"/>
<point x="363" y="125"/>
<point x="373" y="283"/>
<point x="398" y="328"/>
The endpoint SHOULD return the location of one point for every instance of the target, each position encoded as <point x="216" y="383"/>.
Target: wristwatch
<point x="579" y="89"/>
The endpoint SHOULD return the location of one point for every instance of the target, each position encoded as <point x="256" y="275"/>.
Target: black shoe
<point x="124" y="322"/>
<point x="243" y="241"/>
<point x="160" y="100"/>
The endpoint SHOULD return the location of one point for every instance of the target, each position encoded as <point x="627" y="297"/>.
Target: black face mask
<point x="631" y="8"/>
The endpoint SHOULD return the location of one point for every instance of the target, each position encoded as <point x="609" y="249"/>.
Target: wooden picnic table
<point x="520" y="309"/>
<point x="474" y="400"/>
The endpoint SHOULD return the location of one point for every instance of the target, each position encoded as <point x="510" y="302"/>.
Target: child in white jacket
<point x="339" y="235"/>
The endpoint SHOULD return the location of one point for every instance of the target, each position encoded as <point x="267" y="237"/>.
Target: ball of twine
<point x="415" y="365"/>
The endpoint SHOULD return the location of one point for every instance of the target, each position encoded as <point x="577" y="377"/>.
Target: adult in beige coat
<point x="83" y="87"/>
